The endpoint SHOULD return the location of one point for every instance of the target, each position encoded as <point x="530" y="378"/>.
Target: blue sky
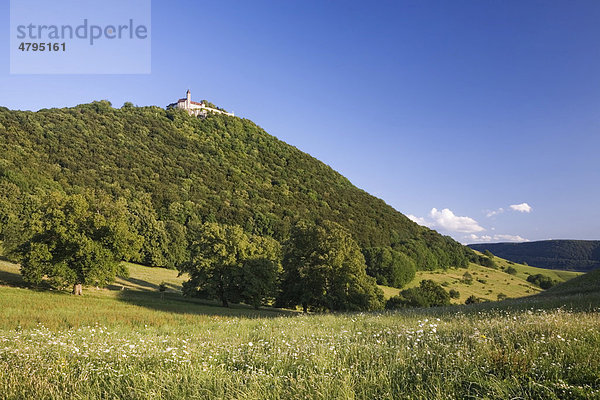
<point x="450" y="111"/>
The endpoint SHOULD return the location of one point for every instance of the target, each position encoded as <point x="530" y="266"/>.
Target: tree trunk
<point x="225" y="302"/>
<point x="304" y="308"/>
<point x="77" y="289"/>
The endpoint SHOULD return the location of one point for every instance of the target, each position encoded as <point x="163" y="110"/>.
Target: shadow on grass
<point x="176" y="303"/>
<point x="146" y="294"/>
<point x="15" y="279"/>
<point x="12" y="279"/>
<point x="173" y="287"/>
<point x="134" y="282"/>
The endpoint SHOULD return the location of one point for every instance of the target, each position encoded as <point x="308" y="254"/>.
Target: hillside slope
<point x="489" y="283"/>
<point x="180" y="169"/>
<point x="581" y="285"/>
<point x="576" y="255"/>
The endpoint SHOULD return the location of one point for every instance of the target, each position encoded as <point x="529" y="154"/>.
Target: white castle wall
<point x="198" y="109"/>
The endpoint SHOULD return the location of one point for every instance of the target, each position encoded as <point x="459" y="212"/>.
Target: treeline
<point x="161" y="243"/>
<point x="176" y="172"/>
<point x="81" y="239"/>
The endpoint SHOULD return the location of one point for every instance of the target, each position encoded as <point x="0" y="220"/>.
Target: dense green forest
<point x="174" y="172"/>
<point x="576" y="255"/>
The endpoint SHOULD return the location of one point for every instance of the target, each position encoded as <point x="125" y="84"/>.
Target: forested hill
<point x="577" y="255"/>
<point x="174" y="169"/>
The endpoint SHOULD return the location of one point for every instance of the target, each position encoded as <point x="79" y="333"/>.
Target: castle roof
<point x="191" y="102"/>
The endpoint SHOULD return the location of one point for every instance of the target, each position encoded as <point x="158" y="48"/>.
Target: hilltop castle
<point x="195" y="108"/>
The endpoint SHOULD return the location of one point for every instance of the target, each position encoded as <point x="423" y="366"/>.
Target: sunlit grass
<point x="488" y="354"/>
<point x="134" y="302"/>
<point x="132" y="344"/>
<point x="488" y="283"/>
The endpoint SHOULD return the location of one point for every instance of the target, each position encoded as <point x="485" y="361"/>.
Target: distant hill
<point x="575" y="255"/>
<point x="177" y="170"/>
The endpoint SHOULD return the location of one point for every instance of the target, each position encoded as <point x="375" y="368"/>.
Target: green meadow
<point x="129" y="342"/>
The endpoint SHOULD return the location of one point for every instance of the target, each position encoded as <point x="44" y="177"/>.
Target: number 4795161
<point x="42" y="46"/>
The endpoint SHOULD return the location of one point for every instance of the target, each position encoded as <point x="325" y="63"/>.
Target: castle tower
<point x="189" y="97"/>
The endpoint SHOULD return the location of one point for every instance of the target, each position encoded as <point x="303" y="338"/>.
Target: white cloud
<point x="523" y="207"/>
<point x="510" y="238"/>
<point x="446" y="219"/>
<point x="495" y="238"/>
<point x="482" y="238"/>
<point x="418" y="220"/>
<point x="495" y="212"/>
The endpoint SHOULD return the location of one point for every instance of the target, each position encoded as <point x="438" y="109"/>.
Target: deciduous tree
<point x="389" y="267"/>
<point x="229" y="265"/>
<point x="76" y="240"/>
<point x="325" y="270"/>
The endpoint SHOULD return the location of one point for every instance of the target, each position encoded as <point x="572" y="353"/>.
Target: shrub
<point x="511" y="270"/>
<point x="487" y="262"/>
<point x="472" y="299"/>
<point x="467" y="278"/>
<point x="502" y="296"/>
<point x="454" y="294"/>
<point x="395" y="302"/>
<point x="435" y="294"/>
<point x="543" y="281"/>
<point x="428" y="294"/>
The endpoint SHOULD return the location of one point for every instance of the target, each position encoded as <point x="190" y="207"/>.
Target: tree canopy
<point x="325" y="270"/>
<point x="229" y="265"/>
<point x="389" y="267"/>
<point x="75" y="240"/>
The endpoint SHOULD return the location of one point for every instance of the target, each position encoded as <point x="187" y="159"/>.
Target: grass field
<point x="487" y="283"/>
<point x="131" y="344"/>
<point x="137" y="305"/>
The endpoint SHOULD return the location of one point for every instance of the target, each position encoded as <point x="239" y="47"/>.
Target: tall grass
<point x="131" y="344"/>
<point x="487" y="354"/>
